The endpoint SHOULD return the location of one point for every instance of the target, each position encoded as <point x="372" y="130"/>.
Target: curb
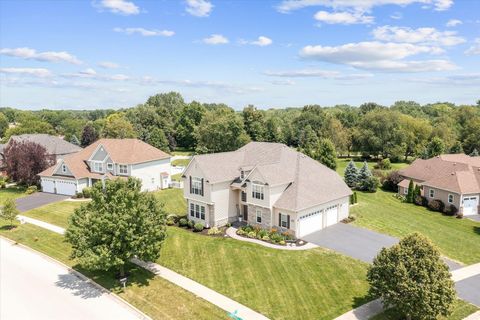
<point x="83" y="277"/>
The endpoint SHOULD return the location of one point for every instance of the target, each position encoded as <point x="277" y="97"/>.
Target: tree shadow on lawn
<point x="108" y="279"/>
<point x="476" y="230"/>
<point x="8" y="227"/>
<point x="360" y="301"/>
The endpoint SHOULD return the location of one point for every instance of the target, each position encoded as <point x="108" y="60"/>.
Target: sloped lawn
<point x="458" y="239"/>
<point x="11" y="193"/>
<point x="173" y="201"/>
<point x="55" y="213"/>
<point x="312" y="284"/>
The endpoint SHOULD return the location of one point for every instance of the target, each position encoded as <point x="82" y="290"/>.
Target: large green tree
<point x="254" y="121"/>
<point x="120" y="223"/>
<point x="412" y="278"/>
<point x="188" y="119"/>
<point x="3" y="124"/>
<point x="118" y="127"/>
<point x="325" y="153"/>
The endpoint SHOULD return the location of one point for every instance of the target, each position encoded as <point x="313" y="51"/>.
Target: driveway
<point x="474" y="217"/>
<point x="469" y="290"/>
<point x="35" y="287"/>
<point x="38" y="199"/>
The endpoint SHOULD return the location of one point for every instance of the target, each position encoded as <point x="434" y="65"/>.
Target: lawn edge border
<point x="81" y="276"/>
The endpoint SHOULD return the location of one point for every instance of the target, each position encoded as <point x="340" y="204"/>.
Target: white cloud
<point x="358" y="5"/>
<point x="430" y="36"/>
<point x="261" y="41"/>
<point x="396" y="15"/>
<point x="315" y="73"/>
<point x="222" y="86"/>
<point x="36" y="72"/>
<point x="283" y="82"/>
<point x="145" y="32"/>
<point x="453" y="22"/>
<point x="108" y="65"/>
<point x="216" y="39"/>
<point x="475" y="48"/>
<point x="378" y="56"/>
<point x="32" y="54"/>
<point x="119" y="6"/>
<point x="466" y="79"/>
<point x="199" y="8"/>
<point x="92" y="74"/>
<point x="343" y="17"/>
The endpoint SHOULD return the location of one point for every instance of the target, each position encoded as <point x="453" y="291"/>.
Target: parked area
<point x="38" y="199"/>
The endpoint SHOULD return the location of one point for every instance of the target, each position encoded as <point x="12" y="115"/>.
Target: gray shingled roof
<point x="309" y="182"/>
<point x="53" y="145"/>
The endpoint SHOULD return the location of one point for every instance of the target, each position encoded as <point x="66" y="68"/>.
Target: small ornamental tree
<point x="325" y="153"/>
<point x="120" y="223"/>
<point x="410" y="192"/>
<point x="474" y="153"/>
<point x="9" y="211"/>
<point x="89" y="135"/>
<point x="417" y="192"/>
<point x="351" y="174"/>
<point x="364" y="173"/>
<point x="74" y="140"/>
<point x="412" y="278"/>
<point x="24" y="160"/>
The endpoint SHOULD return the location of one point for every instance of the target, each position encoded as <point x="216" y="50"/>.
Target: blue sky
<point x="116" y="53"/>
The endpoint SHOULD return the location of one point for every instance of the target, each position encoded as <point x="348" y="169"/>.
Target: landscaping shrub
<point x="31" y="189"/>
<point x="79" y="195"/>
<point x="460" y="215"/>
<point x="170" y="222"/>
<point x="391" y="181"/>
<point x="262" y="233"/>
<point x="190" y="224"/>
<point x="355" y="200"/>
<point x="252" y="234"/>
<point x="183" y="222"/>
<point x="173" y="217"/>
<point x="228" y="225"/>
<point x="451" y="210"/>
<point x="198" y="227"/>
<point x="419" y="200"/>
<point x="384" y="164"/>
<point x="87" y="192"/>
<point x="276" y="237"/>
<point x="266" y="238"/>
<point x="214" y="231"/>
<point x="436" y="205"/>
<point x="370" y="184"/>
<point x="240" y="232"/>
<point x="3" y="184"/>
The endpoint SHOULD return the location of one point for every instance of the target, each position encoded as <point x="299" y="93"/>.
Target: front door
<point x="245" y="213"/>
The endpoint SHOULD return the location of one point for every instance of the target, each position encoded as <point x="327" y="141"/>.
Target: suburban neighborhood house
<point x="56" y="147"/>
<point x="451" y="178"/>
<point x="265" y="184"/>
<point x="107" y="159"/>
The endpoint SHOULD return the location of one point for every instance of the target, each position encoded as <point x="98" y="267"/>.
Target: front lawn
<point x="173" y="201"/>
<point x="458" y="239"/>
<point x="343" y="162"/>
<point x="55" y="213"/>
<point x="181" y="162"/>
<point x="312" y="284"/>
<point x="153" y="295"/>
<point x="461" y="310"/>
<point x="11" y="193"/>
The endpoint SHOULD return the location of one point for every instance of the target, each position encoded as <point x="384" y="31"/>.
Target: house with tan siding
<point x="452" y="178"/>
<point x="265" y="184"/>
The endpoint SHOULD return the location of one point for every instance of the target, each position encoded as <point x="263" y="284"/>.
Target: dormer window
<point x="242" y="174"/>
<point x="98" y="166"/>
<point x="110" y="166"/>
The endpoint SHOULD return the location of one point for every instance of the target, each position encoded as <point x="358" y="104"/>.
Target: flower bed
<point x="271" y="236"/>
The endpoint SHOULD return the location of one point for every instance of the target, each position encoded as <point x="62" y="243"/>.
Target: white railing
<point x="176" y="184"/>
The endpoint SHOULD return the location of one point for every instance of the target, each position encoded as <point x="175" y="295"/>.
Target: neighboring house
<point x="56" y="147"/>
<point x="451" y="178"/>
<point x="108" y="159"/>
<point x="265" y="184"/>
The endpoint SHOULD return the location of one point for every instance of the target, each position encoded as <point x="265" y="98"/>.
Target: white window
<point x="192" y="210"/>
<point x="242" y="174"/>
<point x="257" y="191"/>
<point x="451" y="198"/>
<point x="431" y="193"/>
<point x="283" y="220"/>
<point x="197" y="186"/>
<point x="259" y="216"/>
<point x="123" y="169"/>
<point x="197" y="211"/>
<point x="153" y="180"/>
<point x="110" y="166"/>
<point x="64" y="168"/>
<point x="405" y="190"/>
<point x="98" y="166"/>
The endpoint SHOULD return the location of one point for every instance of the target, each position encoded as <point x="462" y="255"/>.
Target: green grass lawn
<point x="183" y="152"/>
<point x="342" y="164"/>
<point x="155" y="296"/>
<point x="173" y="201"/>
<point x="461" y="310"/>
<point x="458" y="239"/>
<point x="312" y="284"/>
<point x="11" y="193"/>
<point x="55" y="213"/>
<point x="181" y="162"/>
<point x="177" y="177"/>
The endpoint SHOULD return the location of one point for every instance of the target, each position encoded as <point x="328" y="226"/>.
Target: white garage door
<point x="332" y="215"/>
<point x="470" y="206"/>
<point x="310" y="223"/>
<point x="48" y="185"/>
<point x="66" y="187"/>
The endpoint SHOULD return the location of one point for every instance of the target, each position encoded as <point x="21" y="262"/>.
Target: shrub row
<point x="271" y="235"/>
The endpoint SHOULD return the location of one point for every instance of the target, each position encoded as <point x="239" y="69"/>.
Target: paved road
<point x="38" y="199"/>
<point x="34" y="287"/>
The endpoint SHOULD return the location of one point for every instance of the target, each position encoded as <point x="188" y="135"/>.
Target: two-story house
<point x="265" y="184"/>
<point x="108" y="159"/>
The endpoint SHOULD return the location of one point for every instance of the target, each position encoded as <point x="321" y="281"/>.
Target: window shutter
<point x="280" y="219"/>
<point x="288" y="222"/>
<point x="201" y="193"/>
<point x="191" y="188"/>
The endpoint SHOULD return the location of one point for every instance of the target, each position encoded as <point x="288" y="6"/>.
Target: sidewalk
<point x="41" y="224"/>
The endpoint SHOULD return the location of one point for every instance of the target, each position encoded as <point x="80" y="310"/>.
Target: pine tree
<point x="410" y="193"/>
<point x="74" y="140"/>
<point x="351" y="174"/>
<point x="474" y="153"/>
<point x="364" y="172"/>
<point x="355" y="200"/>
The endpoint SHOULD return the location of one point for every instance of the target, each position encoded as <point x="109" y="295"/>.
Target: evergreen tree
<point x="364" y="172"/>
<point x="325" y="153"/>
<point x="410" y="193"/>
<point x="156" y="137"/>
<point x="351" y="174"/>
<point x="74" y="140"/>
<point x="89" y="135"/>
<point x="456" y="148"/>
<point x="474" y="153"/>
<point x="417" y="191"/>
<point x="435" y="147"/>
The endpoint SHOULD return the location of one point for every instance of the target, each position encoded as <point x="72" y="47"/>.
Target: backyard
<point x="343" y="162"/>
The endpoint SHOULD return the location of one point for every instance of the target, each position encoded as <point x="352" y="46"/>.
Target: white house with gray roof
<point x="265" y="184"/>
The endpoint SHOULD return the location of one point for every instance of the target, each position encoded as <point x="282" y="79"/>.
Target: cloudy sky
<point x="115" y="53"/>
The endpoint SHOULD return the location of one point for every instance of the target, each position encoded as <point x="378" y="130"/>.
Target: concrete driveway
<point x="34" y="287"/>
<point x="469" y="290"/>
<point x="355" y="242"/>
<point x="474" y="217"/>
<point x="38" y="199"/>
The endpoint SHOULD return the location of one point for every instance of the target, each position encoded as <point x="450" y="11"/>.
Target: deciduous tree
<point x="9" y="211"/>
<point x="89" y="135"/>
<point x="325" y="153"/>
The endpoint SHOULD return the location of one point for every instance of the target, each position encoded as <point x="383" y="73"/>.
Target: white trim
<point x="120" y="170"/>
<point x="258" y="214"/>
<point x="95" y="151"/>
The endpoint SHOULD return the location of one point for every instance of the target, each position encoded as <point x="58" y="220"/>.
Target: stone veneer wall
<point x="266" y="216"/>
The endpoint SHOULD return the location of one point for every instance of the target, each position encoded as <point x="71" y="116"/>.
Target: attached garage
<point x="59" y="186"/>
<point x="317" y="220"/>
<point x="470" y="206"/>
<point x="48" y="185"/>
<point x="331" y="215"/>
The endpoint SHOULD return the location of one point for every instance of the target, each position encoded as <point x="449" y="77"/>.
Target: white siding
<point x="225" y="201"/>
<point x="149" y="173"/>
<point x="194" y="171"/>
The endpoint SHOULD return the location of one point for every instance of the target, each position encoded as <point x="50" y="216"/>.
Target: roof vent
<point x="453" y="173"/>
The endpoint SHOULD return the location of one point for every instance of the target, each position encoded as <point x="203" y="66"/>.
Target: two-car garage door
<point x="470" y="206"/>
<point x="59" y="186"/>
<point x="317" y="220"/>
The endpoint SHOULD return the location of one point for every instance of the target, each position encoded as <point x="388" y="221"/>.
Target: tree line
<point x="402" y="130"/>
